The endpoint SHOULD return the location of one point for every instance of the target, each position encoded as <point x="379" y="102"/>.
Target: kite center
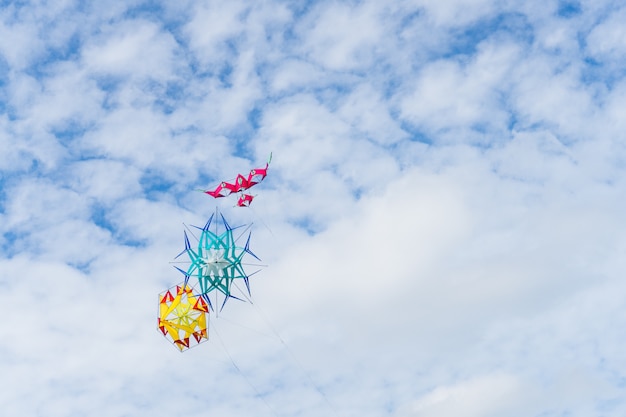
<point x="214" y="262"/>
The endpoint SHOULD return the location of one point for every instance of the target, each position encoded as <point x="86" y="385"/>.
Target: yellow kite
<point x="183" y="317"/>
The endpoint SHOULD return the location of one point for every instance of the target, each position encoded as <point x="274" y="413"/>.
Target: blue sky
<point x="442" y="222"/>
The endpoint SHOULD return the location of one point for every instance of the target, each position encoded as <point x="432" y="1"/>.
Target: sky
<point x="442" y="222"/>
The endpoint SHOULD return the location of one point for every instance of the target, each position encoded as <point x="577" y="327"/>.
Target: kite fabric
<point x="183" y="317"/>
<point x="216" y="262"/>
<point x="245" y="200"/>
<point x="241" y="184"/>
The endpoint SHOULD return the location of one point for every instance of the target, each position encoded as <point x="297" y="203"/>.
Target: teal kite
<point x="217" y="260"/>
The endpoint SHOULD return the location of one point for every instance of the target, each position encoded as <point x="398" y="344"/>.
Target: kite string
<point x="248" y="328"/>
<point x="191" y="232"/>
<point x="293" y="356"/>
<point x="262" y="221"/>
<point x="232" y="361"/>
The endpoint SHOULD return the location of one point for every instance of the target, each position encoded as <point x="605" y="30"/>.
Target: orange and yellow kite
<point x="183" y="317"/>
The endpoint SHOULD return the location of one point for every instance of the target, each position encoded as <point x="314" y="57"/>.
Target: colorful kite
<point x="183" y="317"/>
<point x="217" y="261"/>
<point x="241" y="184"/>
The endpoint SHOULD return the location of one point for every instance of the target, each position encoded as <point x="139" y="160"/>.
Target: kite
<point x="216" y="262"/>
<point x="245" y="200"/>
<point x="241" y="184"/>
<point x="183" y="317"/>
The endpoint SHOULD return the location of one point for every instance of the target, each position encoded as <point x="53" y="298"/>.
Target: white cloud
<point x="612" y="124"/>
<point x="214" y="24"/>
<point x="30" y="149"/>
<point x="451" y="94"/>
<point x="369" y="114"/>
<point x="54" y="106"/>
<point x="132" y="48"/>
<point x="489" y="395"/>
<point x="295" y="75"/>
<point x="19" y="42"/>
<point x="607" y="41"/>
<point x="557" y="98"/>
<point x="329" y="38"/>
<point x="103" y="180"/>
<point x="456" y="12"/>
